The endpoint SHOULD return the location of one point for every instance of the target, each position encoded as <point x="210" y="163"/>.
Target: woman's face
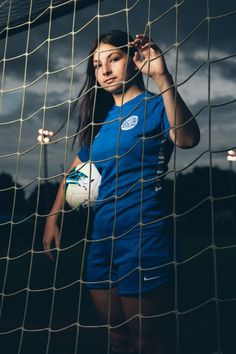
<point x="111" y="67"/>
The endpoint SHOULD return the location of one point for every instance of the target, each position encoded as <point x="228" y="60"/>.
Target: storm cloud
<point x="197" y="41"/>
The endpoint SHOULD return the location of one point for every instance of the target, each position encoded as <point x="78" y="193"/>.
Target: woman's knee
<point x="151" y="337"/>
<point x="148" y="345"/>
<point x="121" y="342"/>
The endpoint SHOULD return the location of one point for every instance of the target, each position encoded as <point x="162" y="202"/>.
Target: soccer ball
<point x="81" y="185"/>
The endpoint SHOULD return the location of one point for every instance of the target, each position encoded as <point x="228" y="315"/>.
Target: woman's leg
<point x="151" y="335"/>
<point x="109" y="307"/>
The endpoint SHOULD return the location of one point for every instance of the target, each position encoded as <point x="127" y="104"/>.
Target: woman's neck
<point x="129" y="94"/>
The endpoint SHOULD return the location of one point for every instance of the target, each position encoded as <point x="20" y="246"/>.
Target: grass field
<point x="205" y="313"/>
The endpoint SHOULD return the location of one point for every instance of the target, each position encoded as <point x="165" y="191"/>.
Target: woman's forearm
<point x="58" y="203"/>
<point x="60" y="197"/>
<point x="185" y="131"/>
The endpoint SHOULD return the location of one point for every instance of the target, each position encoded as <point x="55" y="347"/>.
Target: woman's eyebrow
<point x="115" y="52"/>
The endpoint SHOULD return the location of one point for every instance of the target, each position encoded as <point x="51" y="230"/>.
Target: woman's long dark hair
<point x="94" y="104"/>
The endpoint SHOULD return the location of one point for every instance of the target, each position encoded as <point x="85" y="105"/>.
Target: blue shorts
<point x="133" y="264"/>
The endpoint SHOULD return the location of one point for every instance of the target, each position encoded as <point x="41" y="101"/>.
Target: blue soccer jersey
<point x="131" y="152"/>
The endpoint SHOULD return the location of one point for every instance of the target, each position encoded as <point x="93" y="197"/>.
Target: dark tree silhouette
<point x="12" y="196"/>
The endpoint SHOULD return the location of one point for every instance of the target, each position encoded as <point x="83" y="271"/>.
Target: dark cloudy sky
<point x="22" y="110"/>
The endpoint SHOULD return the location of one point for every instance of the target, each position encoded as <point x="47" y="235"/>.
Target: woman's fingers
<point x="148" y="52"/>
<point x="142" y="41"/>
<point x="47" y="249"/>
<point x="48" y="245"/>
<point x="138" y="41"/>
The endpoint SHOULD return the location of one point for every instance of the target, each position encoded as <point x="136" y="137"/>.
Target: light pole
<point x="231" y="157"/>
<point x="44" y="138"/>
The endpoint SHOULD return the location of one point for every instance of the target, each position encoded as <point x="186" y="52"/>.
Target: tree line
<point x="199" y="199"/>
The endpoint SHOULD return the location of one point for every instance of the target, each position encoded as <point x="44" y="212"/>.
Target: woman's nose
<point x="106" y="70"/>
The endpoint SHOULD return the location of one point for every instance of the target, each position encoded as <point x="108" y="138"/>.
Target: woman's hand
<point x="51" y="236"/>
<point x="149" y="58"/>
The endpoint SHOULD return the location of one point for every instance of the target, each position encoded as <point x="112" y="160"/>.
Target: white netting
<point x="45" y="307"/>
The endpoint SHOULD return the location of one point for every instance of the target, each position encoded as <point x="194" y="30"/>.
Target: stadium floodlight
<point x="45" y="136"/>
<point x="231" y="155"/>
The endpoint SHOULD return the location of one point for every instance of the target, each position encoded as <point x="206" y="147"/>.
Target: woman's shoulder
<point x="155" y="101"/>
<point x="154" y="97"/>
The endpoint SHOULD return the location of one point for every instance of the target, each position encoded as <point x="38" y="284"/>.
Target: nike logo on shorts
<point x="151" y="278"/>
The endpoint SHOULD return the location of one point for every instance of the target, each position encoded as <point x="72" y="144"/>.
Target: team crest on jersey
<point x="129" y="123"/>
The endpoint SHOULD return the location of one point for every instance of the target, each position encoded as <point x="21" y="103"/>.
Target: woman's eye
<point x="115" y="59"/>
<point x="97" y="66"/>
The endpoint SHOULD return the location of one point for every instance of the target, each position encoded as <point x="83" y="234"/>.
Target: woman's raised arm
<point x="149" y="59"/>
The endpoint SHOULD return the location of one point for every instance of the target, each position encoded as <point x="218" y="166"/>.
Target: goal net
<point x="45" y="306"/>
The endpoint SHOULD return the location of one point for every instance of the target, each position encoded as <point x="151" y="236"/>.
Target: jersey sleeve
<point x="165" y="125"/>
<point x="83" y="154"/>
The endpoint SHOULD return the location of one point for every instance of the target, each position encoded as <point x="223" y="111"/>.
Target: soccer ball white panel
<point x="82" y="185"/>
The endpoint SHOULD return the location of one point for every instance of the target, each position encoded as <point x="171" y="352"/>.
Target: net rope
<point x="23" y="117"/>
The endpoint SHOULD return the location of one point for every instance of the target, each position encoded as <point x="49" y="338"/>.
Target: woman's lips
<point x="109" y="81"/>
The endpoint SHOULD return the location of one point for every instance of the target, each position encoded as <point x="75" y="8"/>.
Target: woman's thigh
<point x="109" y="306"/>
<point x="151" y="318"/>
<point x="154" y="302"/>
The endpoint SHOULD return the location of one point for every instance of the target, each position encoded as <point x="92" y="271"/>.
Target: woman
<point x="129" y="134"/>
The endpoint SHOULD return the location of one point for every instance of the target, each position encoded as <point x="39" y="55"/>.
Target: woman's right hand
<point x="51" y="237"/>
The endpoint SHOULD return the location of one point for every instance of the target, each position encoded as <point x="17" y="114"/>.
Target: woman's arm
<point x="51" y="230"/>
<point x="185" y="132"/>
<point x="150" y="60"/>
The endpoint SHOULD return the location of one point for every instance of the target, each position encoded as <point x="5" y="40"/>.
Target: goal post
<point x="14" y="14"/>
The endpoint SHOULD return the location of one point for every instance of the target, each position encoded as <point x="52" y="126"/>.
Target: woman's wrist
<point x="164" y="81"/>
<point x="52" y="217"/>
